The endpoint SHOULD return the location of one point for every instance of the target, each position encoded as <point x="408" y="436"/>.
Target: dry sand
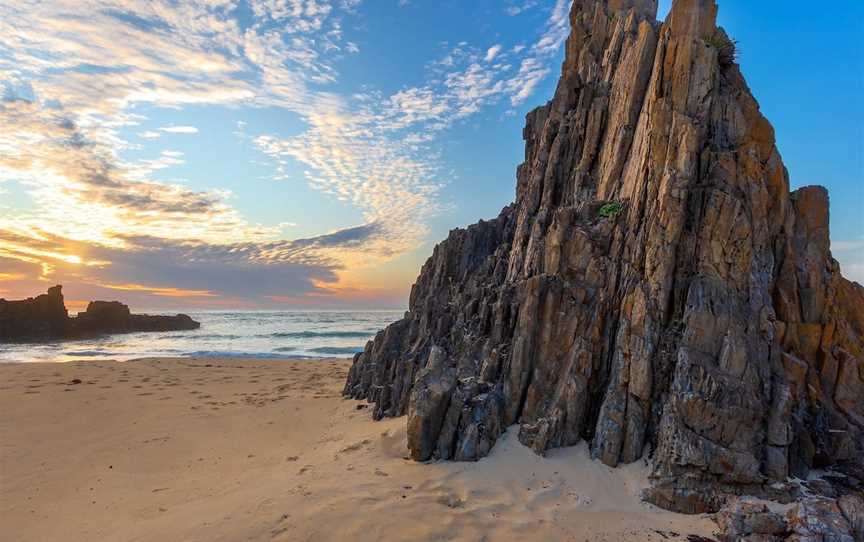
<point x="236" y="450"/>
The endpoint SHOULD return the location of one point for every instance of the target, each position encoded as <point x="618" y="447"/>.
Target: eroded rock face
<point x="654" y="288"/>
<point x="743" y="520"/>
<point x="45" y="318"/>
<point x="813" y="519"/>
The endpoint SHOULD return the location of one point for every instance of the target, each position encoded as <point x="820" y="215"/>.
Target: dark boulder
<point x="751" y="521"/>
<point x="159" y="323"/>
<point x="103" y="317"/>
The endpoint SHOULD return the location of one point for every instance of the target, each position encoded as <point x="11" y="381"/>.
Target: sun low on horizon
<point x="257" y="154"/>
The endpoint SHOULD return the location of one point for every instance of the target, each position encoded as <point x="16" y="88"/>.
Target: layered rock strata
<point x="45" y="318"/>
<point x="655" y="289"/>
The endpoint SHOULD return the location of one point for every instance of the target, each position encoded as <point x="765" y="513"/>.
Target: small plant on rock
<point x="727" y="48"/>
<point x="610" y="209"/>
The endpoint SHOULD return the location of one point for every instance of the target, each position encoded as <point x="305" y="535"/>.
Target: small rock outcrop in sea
<point x="103" y="317"/>
<point x="45" y="318"/>
<point x="655" y="289"/>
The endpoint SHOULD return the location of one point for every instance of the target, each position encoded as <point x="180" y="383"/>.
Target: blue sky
<point x="299" y="153"/>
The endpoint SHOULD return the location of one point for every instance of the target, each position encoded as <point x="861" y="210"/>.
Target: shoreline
<point x="250" y="449"/>
<point x="90" y="358"/>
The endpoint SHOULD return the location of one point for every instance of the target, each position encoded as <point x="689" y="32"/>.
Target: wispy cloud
<point x="73" y="76"/>
<point x="179" y="129"/>
<point x="850" y="254"/>
<point x="492" y="53"/>
<point x="517" y="8"/>
<point x="161" y="292"/>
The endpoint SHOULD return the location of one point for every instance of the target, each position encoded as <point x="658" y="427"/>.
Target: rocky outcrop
<point x="35" y="319"/>
<point x="45" y="318"/>
<point x="816" y="519"/>
<point x="751" y="521"/>
<point x="107" y="317"/>
<point x="654" y="289"/>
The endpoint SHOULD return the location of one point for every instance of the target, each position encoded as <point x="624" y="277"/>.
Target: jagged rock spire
<point x="654" y="288"/>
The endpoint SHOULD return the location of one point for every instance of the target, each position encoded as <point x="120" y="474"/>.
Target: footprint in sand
<point x="450" y="501"/>
<point x="580" y="500"/>
<point x="356" y="446"/>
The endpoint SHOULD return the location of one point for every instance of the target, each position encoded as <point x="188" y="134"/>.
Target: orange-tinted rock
<point x="655" y="286"/>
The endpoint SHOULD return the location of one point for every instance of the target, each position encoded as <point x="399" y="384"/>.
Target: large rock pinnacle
<point x="655" y="288"/>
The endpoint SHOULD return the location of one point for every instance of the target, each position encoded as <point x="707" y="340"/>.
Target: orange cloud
<point x="162" y="292"/>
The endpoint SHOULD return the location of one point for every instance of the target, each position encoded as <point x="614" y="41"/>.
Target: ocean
<point x="252" y="334"/>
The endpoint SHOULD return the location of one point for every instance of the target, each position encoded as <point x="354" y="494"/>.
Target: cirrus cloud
<point x="75" y="73"/>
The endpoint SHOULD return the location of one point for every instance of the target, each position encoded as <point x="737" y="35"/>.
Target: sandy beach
<point x="230" y="450"/>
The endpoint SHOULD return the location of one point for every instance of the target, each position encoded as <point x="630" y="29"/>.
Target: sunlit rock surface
<point x="654" y="289"/>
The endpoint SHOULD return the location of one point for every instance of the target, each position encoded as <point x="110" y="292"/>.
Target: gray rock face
<point x="655" y="288"/>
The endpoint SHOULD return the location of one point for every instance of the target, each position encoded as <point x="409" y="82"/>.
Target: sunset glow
<point x="255" y="153"/>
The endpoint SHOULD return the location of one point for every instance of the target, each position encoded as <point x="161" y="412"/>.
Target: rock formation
<point x="45" y="318"/>
<point x="103" y="317"/>
<point x="655" y="289"/>
<point x="38" y="319"/>
<point x="816" y="519"/>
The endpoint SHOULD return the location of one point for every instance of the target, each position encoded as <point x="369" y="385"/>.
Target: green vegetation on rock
<point x="610" y="210"/>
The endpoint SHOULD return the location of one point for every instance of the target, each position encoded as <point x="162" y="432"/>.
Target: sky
<point x="258" y="154"/>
